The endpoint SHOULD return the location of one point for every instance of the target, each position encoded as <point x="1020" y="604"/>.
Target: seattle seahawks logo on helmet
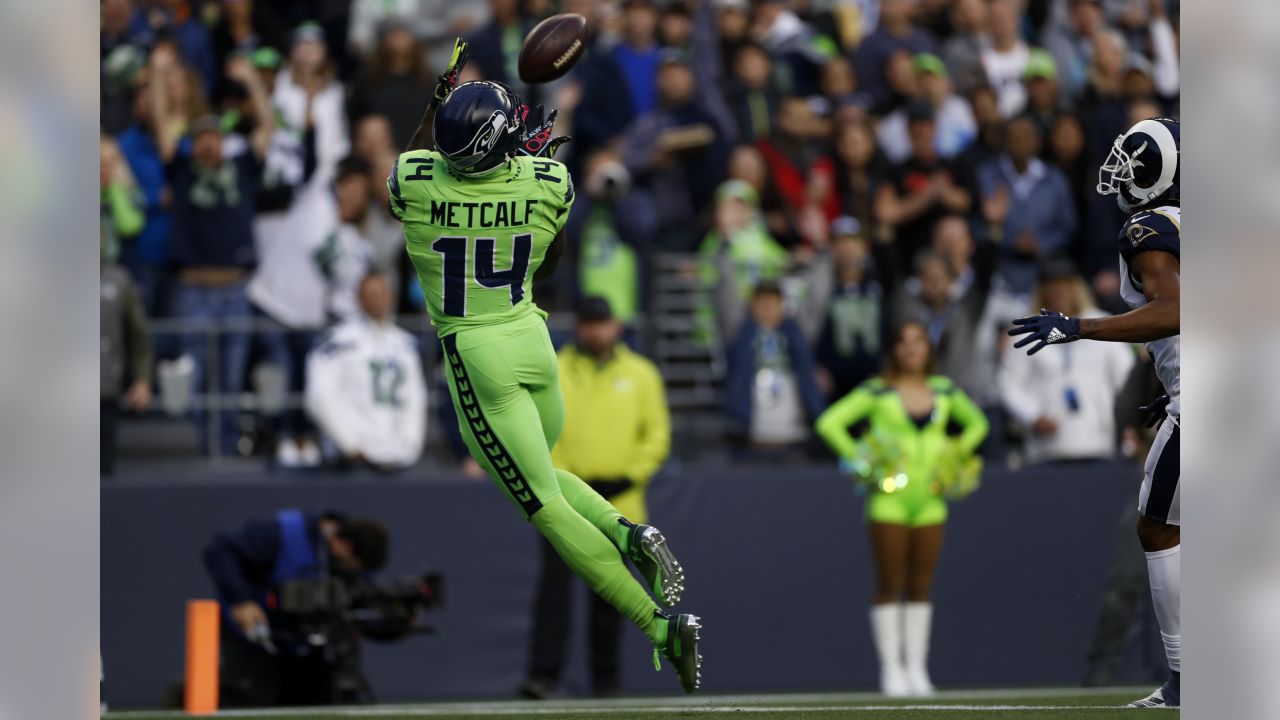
<point x="477" y="127"/>
<point x="1142" y="168"/>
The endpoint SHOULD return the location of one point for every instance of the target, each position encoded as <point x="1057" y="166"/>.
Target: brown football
<point x="552" y="47"/>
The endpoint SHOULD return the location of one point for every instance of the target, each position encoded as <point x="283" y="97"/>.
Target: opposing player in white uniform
<point x="1142" y="172"/>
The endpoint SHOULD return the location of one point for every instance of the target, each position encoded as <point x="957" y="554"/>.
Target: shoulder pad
<point x="1154" y="229"/>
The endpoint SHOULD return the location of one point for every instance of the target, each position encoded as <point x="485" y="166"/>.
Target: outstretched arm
<point x="1159" y="318"/>
<point x="423" y="138"/>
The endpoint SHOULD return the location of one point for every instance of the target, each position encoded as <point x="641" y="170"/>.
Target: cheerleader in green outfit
<point x="910" y="465"/>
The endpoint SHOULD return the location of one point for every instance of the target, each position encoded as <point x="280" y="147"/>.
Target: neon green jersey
<point x="477" y="241"/>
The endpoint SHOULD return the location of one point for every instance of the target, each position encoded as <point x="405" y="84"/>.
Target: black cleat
<point x="1168" y="695"/>
<point x="647" y="549"/>
<point x="682" y="650"/>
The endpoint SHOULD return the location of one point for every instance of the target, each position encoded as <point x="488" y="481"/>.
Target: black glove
<point x="537" y="140"/>
<point x="1047" y="328"/>
<point x="1155" y="411"/>
<point x="611" y="488"/>
<point x="446" y="82"/>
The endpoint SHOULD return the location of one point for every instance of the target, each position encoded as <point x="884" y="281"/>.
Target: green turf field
<point x="1056" y="704"/>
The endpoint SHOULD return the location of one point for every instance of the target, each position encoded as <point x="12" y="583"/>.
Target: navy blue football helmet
<point x="1142" y="168"/>
<point x="478" y="126"/>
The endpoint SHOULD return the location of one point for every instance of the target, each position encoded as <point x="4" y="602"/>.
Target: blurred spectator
<point x="180" y="22"/>
<point x="637" y="55"/>
<point x="675" y="25"/>
<point x="119" y="200"/>
<point x="164" y="103"/>
<point x="372" y="139"/>
<point x="922" y="189"/>
<point x="1065" y="401"/>
<point x="791" y="43"/>
<point x="605" y="227"/>
<point x="1005" y="60"/>
<point x="307" y="93"/>
<point x="1029" y="206"/>
<point x="954" y="123"/>
<point x="1065" y="151"/>
<point x="123" y="45"/>
<point x="962" y="52"/>
<point x="894" y="32"/>
<point x="752" y="97"/>
<point x="365" y="387"/>
<point x="428" y="20"/>
<point x="1165" y="71"/>
<point x="495" y="47"/>
<point x="839" y="87"/>
<point x="859" y="170"/>
<point x="125" y="348"/>
<point x="241" y="27"/>
<point x="986" y="112"/>
<point x="1031" y="213"/>
<point x="771" y="389"/>
<point x="617" y="433"/>
<point x="846" y="305"/>
<point x="603" y="112"/>
<point x="737" y="255"/>
<point x="801" y="171"/>
<point x="733" y="25"/>
<point x="1072" y="44"/>
<point x="384" y="232"/>
<point x="948" y="302"/>
<point x="676" y="154"/>
<point x="1044" y="103"/>
<point x="212" y="246"/>
<point x="394" y="84"/>
<point x="303" y="282"/>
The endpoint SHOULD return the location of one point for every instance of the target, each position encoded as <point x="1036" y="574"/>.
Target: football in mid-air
<point x="552" y="47"/>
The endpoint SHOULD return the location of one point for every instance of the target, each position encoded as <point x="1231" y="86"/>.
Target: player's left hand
<point x="449" y="79"/>
<point x="1047" y="328"/>
<point x="537" y="140"/>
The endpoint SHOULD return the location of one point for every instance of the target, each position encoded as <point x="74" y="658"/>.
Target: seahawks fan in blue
<point x="1142" y="172"/>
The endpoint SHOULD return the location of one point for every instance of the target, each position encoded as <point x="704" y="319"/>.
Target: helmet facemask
<point x="1118" y="174"/>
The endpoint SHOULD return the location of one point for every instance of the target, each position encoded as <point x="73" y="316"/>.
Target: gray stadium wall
<point x="776" y="557"/>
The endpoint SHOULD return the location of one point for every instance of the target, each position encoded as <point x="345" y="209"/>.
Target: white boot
<point x="917" y="618"/>
<point x="886" y="630"/>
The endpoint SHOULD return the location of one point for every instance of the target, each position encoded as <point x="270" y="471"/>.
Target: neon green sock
<point x="589" y="504"/>
<point x="590" y="555"/>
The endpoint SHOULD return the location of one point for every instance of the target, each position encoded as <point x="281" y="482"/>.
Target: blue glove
<point x="1155" y="411"/>
<point x="1047" y="328"/>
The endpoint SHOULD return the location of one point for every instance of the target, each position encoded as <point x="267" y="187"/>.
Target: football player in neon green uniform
<point x="484" y="207"/>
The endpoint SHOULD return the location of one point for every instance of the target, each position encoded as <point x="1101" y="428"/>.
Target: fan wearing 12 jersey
<point x="484" y="208"/>
<point x="1142" y="172"/>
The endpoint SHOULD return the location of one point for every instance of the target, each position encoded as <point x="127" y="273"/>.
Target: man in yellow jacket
<point x="617" y="433"/>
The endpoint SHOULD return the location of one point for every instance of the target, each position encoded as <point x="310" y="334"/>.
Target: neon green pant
<point x="911" y="506"/>
<point x="504" y="381"/>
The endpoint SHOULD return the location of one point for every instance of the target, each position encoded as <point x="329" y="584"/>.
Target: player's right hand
<point x="1155" y="411"/>
<point x="449" y="79"/>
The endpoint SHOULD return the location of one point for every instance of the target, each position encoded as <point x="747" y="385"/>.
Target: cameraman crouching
<point x="268" y="658"/>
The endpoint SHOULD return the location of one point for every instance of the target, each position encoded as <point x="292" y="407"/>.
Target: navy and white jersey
<point x="1156" y="229"/>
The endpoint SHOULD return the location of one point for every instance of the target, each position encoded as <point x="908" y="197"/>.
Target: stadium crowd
<point x="830" y="168"/>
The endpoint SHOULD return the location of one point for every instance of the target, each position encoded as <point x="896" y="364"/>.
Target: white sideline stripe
<point x="713" y="703"/>
<point x="379" y="711"/>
